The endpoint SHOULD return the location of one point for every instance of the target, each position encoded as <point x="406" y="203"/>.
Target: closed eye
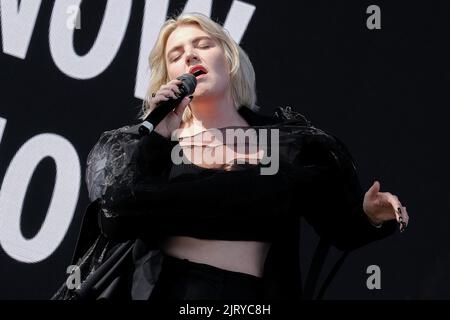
<point x="176" y="58"/>
<point x="204" y="44"/>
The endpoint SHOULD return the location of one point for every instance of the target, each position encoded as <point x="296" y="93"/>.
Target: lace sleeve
<point x="121" y="159"/>
<point x="109" y="162"/>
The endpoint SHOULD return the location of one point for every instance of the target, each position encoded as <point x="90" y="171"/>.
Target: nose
<point x="191" y="57"/>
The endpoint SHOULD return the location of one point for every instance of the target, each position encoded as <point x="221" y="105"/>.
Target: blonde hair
<point x="242" y="74"/>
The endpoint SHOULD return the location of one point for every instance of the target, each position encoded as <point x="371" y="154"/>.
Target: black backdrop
<point x="383" y="92"/>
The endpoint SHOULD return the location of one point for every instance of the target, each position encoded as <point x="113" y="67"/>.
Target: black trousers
<point x="181" y="279"/>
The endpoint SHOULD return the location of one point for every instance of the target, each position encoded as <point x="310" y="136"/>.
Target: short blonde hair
<point x="242" y="74"/>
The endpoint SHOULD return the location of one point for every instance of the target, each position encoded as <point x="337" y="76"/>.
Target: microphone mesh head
<point x="189" y="83"/>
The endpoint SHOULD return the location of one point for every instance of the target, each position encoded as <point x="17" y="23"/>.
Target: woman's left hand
<point x="384" y="206"/>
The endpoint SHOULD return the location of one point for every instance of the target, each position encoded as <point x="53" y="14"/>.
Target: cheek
<point x="216" y="59"/>
<point x="223" y="69"/>
<point x="223" y="65"/>
<point x="174" y="70"/>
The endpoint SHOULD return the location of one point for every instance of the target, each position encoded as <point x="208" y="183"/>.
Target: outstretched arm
<point x="335" y="204"/>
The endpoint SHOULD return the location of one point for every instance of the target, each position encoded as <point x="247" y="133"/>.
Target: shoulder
<point x="281" y="115"/>
<point x="313" y="141"/>
<point x="112" y="144"/>
<point x="126" y="132"/>
<point x="286" y="114"/>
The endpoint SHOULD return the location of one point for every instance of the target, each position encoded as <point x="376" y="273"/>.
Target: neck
<point x="213" y="113"/>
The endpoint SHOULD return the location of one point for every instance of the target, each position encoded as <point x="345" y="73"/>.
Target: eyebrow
<point x="196" y="39"/>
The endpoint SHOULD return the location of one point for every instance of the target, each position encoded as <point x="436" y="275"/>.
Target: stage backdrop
<point x="372" y="73"/>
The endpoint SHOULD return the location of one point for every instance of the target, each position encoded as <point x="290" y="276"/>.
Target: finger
<point x="405" y="215"/>
<point x="374" y="189"/>
<point x="403" y="219"/>
<point x="164" y="91"/>
<point x="183" y="104"/>
<point x="157" y="99"/>
<point x="167" y="93"/>
<point x="162" y="95"/>
<point x="172" y="87"/>
<point x="175" y="88"/>
<point x="396" y="205"/>
<point x="174" y="81"/>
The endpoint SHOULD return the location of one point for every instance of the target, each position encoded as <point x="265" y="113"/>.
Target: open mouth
<point x="197" y="71"/>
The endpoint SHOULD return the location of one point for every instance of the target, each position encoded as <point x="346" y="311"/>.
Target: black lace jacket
<point x="117" y="250"/>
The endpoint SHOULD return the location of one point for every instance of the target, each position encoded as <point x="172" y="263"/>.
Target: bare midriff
<point x="238" y="256"/>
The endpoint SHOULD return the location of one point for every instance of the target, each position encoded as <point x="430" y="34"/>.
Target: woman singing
<point x="216" y="225"/>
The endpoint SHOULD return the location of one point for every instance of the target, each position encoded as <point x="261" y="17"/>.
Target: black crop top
<point x="232" y="205"/>
<point x="143" y="194"/>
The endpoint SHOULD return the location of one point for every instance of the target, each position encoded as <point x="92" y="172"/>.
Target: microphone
<point x="162" y="109"/>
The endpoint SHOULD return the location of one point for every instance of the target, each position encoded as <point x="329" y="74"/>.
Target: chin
<point x="202" y="93"/>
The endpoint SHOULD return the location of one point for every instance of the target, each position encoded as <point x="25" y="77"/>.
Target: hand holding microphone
<point x="168" y="105"/>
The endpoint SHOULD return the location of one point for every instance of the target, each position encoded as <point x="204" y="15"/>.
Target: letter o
<point x="62" y="205"/>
